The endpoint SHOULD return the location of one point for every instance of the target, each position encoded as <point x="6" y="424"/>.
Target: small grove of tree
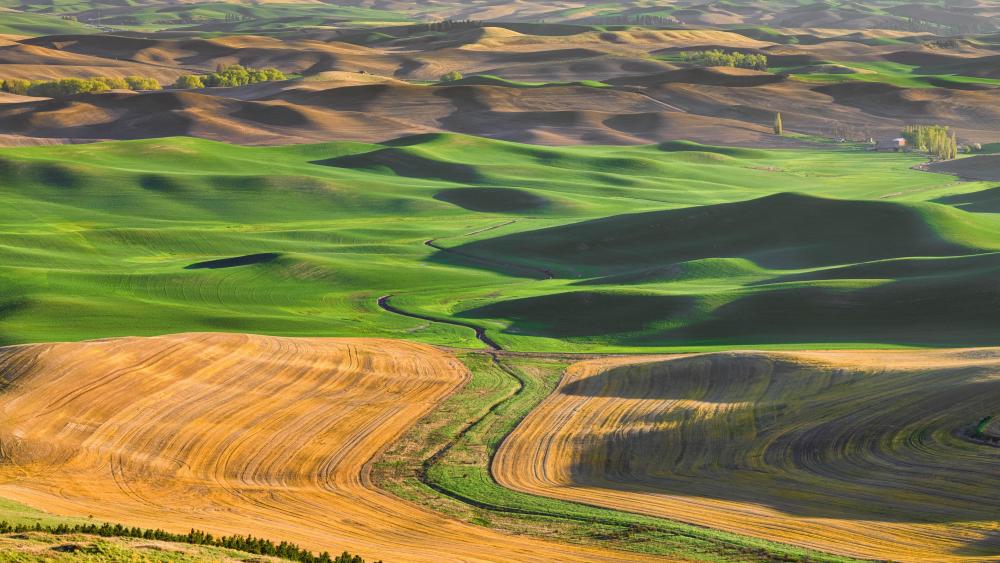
<point x="718" y="57"/>
<point x="188" y="81"/>
<point x="937" y="140"/>
<point x="71" y="86"/>
<point x="452" y="76"/>
<point x="779" y="129"/>
<point x="647" y="20"/>
<point x="229" y="76"/>
<point x="247" y="544"/>
<point x="448" y="25"/>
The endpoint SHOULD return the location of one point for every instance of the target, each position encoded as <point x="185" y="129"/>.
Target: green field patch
<point x="96" y="239"/>
<point x="783" y="231"/>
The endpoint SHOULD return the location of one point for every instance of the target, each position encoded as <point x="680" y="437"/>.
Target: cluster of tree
<point x="646" y="20"/>
<point x="920" y="25"/>
<point x="848" y="132"/>
<point x="247" y="544"/>
<point x="937" y="140"/>
<point x="231" y="75"/>
<point x="718" y="57"/>
<point x="71" y="86"/>
<point x="452" y="76"/>
<point x="448" y="25"/>
<point x="230" y="17"/>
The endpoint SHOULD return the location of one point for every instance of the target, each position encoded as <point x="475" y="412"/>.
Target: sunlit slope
<point x="790" y="268"/>
<point x="857" y="453"/>
<point x="237" y="434"/>
<point x="180" y="234"/>
<point x="783" y="231"/>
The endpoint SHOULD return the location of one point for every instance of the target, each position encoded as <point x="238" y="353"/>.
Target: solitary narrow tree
<point x="778" y="129"/>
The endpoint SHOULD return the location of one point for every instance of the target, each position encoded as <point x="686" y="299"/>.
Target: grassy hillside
<point x="470" y="426"/>
<point x="14" y="23"/>
<point x="649" y="247"/>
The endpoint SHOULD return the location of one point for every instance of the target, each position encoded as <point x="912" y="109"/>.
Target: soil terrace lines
<point x="846" y="452"/>
<point x="241" y="434"/>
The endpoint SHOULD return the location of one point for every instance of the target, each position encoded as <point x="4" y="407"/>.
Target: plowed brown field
<point x="237" y="434"/>
<point x="857" y="453"/>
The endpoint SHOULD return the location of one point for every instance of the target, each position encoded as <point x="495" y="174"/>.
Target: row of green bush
<point x="718" y="57"/>
<point x="71" y="86"/>
<point x="231" y="75"/>
<point x="247" y="544"/>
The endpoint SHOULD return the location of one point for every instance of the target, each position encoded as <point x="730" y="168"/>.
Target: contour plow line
<point x="864" y="454"/>
<point x="237" y="434"/>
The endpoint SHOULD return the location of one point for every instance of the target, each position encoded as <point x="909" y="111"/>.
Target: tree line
<point x="646" y="20"/>
<point x="937" y="140"/>
<point x="718" y="57"/>
<point x="229" y="76"/>
<point x="247" y="544"/>
<point x="448" y="25"/>
<point x="71" y="86"/>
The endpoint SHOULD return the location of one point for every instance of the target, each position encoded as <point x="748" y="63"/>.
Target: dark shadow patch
<point x="783" y="231"/>
<point x="938" y="311"/>
<point x="584" y="313"/>
<point x="944" y="82"/>
<point x="235" y="261"/>
<point x="493" y="200"/>
<point x="985" y="201"/>
<point x="406" y="163"/>
<point x="159" y="183"/>
<point x="783" y="432"/>
<point x="275" y="115"/>
<point x="57" y="175"/>
<point x="239" y="183"/>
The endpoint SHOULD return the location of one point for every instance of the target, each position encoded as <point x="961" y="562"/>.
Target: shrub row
<point x="71" y="86"/>
<point x="718" y="57"/>
<point x="248" y="544"/>
<point x="232" y="75"/>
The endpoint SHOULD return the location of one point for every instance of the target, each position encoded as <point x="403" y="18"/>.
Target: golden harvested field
<point x="856" y="453"/>
<point x="236" y="434"/>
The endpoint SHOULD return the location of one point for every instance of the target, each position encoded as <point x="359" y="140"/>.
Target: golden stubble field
<point x="237" y="434"/>
<point x="856" y="453"/>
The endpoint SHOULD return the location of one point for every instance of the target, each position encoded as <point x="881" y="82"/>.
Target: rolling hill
<point x="694" y="243"/>
<point x="252" y="434"/>
<point x="851" y="452"/>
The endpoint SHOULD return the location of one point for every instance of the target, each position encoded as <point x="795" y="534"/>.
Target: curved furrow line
<point x="850" y="453"/>
<point x="239" y="434"/>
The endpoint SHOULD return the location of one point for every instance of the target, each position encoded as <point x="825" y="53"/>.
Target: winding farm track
<point x="385" y="305"/>
<point x="238" y="434"/>
<point x="856" y="453"/>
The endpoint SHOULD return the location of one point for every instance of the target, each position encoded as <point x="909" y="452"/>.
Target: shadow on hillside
<point x="806" y="441"/>
<point x="781" y="231"/>
<point x="403" y="162"/>
<point x="584" y="313"/>
<point x="235" y="261"/>
<point x="985" y="201"/>
<point x="494" y="200"/>
<point x="958" y="310"/>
